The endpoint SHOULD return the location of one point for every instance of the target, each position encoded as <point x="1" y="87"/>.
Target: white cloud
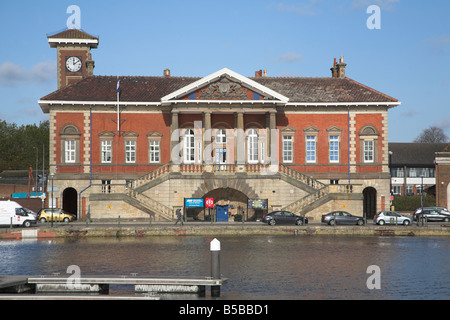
<point x="438" y="45"/>
<point x="443" y="123"/>
<point x="383" y="4"/>
<point x="289" y="57"/>
<point x="12" y="74"/>
<point x="307" y="8"/>
<point x="410" y="113"/>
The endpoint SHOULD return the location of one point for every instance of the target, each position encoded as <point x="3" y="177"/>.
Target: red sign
<point x="209" y="202"/>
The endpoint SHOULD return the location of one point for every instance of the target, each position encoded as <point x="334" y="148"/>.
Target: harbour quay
<point x="146" y="229"/>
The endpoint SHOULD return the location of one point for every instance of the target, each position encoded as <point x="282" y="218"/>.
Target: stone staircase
<point x="318" y="192"/>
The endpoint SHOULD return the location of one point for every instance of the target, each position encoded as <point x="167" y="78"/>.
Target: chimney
<point x="265" y="74"/>
<point x="258" y="74"/>
<point x="167" y="73"/>
<point x="334" y="69"/>
<point x="338" y="70"/>
<point x="90" y="65"/>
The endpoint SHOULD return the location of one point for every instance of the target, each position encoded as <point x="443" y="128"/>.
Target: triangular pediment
<point x="225" y="85"/>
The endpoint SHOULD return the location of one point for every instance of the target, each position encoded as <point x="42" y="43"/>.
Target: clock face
<point x="73" y="64"/>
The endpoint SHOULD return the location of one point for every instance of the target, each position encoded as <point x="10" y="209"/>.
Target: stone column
<point x="240" y="141"/>
<point x="175" y="142"/>
<point x="207" y="145"/>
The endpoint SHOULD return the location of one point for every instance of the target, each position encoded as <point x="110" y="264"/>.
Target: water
<point x="257" y="267"/>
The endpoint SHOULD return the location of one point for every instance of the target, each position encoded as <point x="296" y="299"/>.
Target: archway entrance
<point x="228" y="200"/>
<point x="370" y="202"/>
<point x="70" y="202"/>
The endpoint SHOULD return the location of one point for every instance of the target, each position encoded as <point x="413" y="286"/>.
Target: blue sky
<point x="408" y="58"/>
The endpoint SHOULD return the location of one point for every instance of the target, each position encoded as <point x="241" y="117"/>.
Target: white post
<point x="215" y="265"/>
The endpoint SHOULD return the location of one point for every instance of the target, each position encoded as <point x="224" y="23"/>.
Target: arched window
<point x="189" y="146"/>
<point x="70" y="144"/>
<point x="252" y="146"/>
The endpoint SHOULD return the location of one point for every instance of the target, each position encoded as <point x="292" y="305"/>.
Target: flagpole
<point x="118" y="110"/>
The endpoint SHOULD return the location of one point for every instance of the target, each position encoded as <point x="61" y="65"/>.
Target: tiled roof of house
<point x="152" y="89"/>
<point x="414" y="154"/>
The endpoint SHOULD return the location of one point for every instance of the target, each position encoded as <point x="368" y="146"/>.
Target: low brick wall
<point x="228" y="230"/>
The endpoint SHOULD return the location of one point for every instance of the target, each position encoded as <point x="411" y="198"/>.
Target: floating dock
<point x="34" y="285"/>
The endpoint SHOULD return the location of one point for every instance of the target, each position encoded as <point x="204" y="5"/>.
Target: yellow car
<point x="58" y="215"/>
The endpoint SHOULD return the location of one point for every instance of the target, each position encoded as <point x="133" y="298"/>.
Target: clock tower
<point x="74" y="60"/>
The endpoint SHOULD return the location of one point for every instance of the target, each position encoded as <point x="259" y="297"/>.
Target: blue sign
<point x="194" y="203"/>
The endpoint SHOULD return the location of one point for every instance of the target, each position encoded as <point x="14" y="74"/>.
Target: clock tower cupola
<point x="74" y="60"/>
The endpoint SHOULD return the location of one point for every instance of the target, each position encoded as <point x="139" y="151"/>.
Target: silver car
<point x="391" y="217"/>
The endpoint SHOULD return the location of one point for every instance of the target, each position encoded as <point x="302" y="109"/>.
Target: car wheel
<point x="27" y="224"/>
<point x="272" y="222"/>
<point x="66" y="220"/>
<point x="406" y="223"/>
<point x="360" y="222"/>
<point x="445" y="219"/>
<point x="381" y="222"/>
<point x="299" y="222"/>
<point x="332" y="222"/>
<point x="43" y="220"/>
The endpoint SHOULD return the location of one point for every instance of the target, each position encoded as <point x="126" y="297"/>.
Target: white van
<point x="12" y="210"/>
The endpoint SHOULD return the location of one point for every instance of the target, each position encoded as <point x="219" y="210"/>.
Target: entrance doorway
<point x="222" y="213"/>
<point x="370" y="202"/>
<point x="69" y="198"/>
<point x="228" y="202"/>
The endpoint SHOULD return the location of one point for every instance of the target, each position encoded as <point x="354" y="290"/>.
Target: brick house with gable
<point x="306" y="145"/>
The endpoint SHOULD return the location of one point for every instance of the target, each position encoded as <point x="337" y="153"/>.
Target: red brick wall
<point x="62" y="64"/>
<point x="442" y="183"/>
<point x="144" y="123"/>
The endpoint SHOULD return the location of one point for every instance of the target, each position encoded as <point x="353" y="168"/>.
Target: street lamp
<point x="421" y="192"/>
<point x="52" y="176"/>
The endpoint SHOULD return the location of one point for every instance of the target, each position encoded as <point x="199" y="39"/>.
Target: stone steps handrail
<point x="153" y="205"/>
<point x="301" y="203"/>
<point x="309" y="181"/>
<point x="152" y="175"/>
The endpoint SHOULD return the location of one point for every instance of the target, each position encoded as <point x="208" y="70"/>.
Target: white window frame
<point x="288" y="149"/>
<point x="154" y="148"/>
<point x="311" y="149"/>
<point x="130" y="151"/>
<point x="369" y="151"/>
<point x="221" y="136"/>
<point x="252" y="146"/>
<point x="334" y="149"/>
<point x="106" y="151"/>
<point x="189" y="146"/>
<point x="70" y="148"/>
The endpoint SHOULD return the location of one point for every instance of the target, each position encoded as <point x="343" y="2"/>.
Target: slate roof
<point x="414" y="154"/>
<point x="152" y="89"/>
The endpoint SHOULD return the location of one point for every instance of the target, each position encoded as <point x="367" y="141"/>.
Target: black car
<point x="342" y="217"/>
<point x="284" y="217"/>
<point x="433" y="215"/>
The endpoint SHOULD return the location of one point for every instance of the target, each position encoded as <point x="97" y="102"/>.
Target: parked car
<point x="433" y="215"/>
<point x="342" y="217"/>
<point x="12" y="213"/>
<point x="284" y="217"/>
<point x="391" y="217"/>
<point x="58" y="215"/>
<point x="419" y="210"/>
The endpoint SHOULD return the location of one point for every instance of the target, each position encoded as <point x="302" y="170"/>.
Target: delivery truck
<point x="12" y="213"/>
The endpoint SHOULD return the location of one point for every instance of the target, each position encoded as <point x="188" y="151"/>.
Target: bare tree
<point x="432" y="135"/>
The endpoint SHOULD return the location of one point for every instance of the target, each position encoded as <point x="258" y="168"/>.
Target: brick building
<point x="307" y="145"/>
<point x="443" y="177"/>
<point x="413" y="167"/>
